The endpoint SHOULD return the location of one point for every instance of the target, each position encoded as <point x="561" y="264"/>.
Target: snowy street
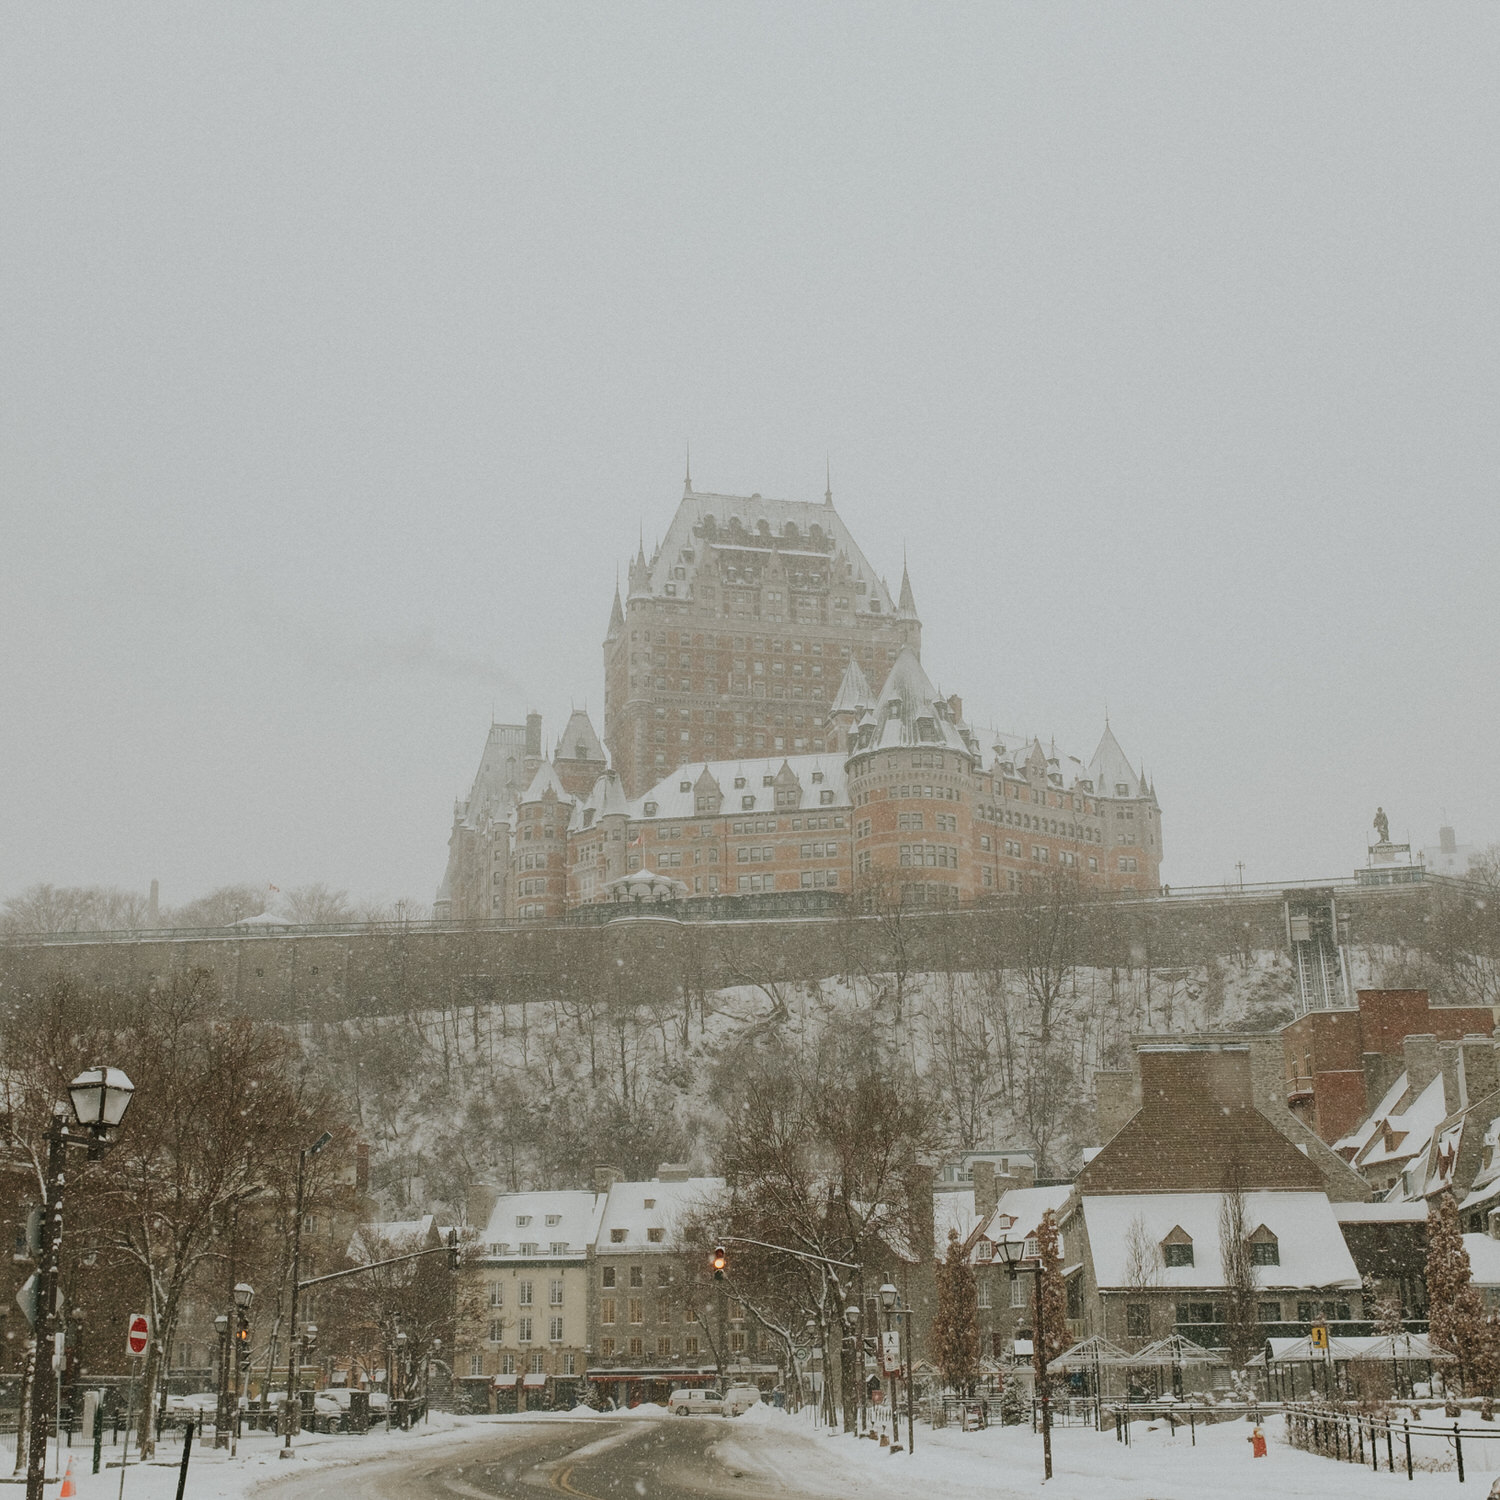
<point x="768" y="1453"/>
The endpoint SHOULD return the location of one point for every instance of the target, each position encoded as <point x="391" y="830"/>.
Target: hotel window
<point x="555" y="1330"/>
<point x="570" y="1364"/>
<point x="507" y="1364"/>
<point x="637" y="1348"/>
<point x="607" y="1310"/>
<point x="523" y="1294"/>
<point x="637" y="1310"/>
<point x="523" y="1330"/>
<point x="607" y="1277"/>
<point x="497" y="1330"/>
<point x="555" y="1293"/>
<point x="476" y="1364"/>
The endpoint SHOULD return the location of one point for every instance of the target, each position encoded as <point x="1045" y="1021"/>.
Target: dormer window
<point x="747" y="803"/>
<point x="553" y="1220"/>
<point x="684" y="786"/>
<point x="650" y="809"/>
<point x="1177" y="1248"/>
<point x="523" y="1221"/>
<point x="768" y="781"/>
<point x="1265" y="1250"/>
<point x="817" y="775"/>
<point x="825" y="798"/>
<point x="739" y="781"/>
<point x="1121" y="789"/>
<point x="650" y="1202"/>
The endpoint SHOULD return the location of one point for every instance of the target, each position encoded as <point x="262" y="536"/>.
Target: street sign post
<point x="137" y="1335"/>
<point x="890" y="1353"/>
<point x="1318" y="1337"/>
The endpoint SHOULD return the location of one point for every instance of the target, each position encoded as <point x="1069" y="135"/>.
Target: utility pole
<point x="294" y="1338"/>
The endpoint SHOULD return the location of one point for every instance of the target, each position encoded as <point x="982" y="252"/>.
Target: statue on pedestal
<point x="1382" y="825"/>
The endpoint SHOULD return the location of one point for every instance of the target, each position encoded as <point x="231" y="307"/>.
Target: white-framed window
<point x="523" y="1292"/>
<point x="555" y="1292"/>
<point x="476" y="1364"/>
<point x="523" y="1330"/>
<point x="570" y="1364"/>
<point x="555" y="1330"/>
<point x="497" y="1330"/>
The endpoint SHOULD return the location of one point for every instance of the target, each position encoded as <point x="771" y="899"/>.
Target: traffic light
<point x="720" y="1262"/>
<point x="242" y="1340"/>
<point x="452" y="1249"/>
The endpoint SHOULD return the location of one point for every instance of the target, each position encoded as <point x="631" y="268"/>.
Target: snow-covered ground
<point x="778" y="1451"/>
<point x="1087" y="1465"/>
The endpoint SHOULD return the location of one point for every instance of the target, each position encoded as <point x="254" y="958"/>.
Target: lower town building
<point x="522" y="1337"/>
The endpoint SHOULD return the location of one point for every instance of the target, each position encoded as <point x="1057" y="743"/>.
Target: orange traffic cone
<point x="67" y="1488"/>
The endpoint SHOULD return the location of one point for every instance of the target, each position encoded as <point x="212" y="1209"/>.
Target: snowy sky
<point x="346" y="348"/>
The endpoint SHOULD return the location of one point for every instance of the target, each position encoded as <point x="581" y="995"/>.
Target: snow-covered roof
<point x="1365" y="1131"/>
<point x="1409" y="1130"/>
<point x="1109" y="769"/>
<point x="606" y="799"/>
<point x="953" y="1209"/>
<point x="908" y="711"/>
<point x="1026" y="1206"/>
<point x="1310" y="1244"/>
<point x="542" y="1220"/>
<point x="371" y="1241"/>
<point x="545" y="779"/>
<point x="632" y="1210"/>
<point x="578" y="740"/>
<point x="1484" y="1259"/>
<point x="1380" y="1213"/>
<point x="806" y="530"/>
<point x="854" y="691"/>
<point x="674" y="796"/>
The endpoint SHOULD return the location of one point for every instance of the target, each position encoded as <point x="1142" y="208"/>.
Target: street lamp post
<point x="1013" y="1253"/>
<point x="244" y="1295"/>
<point x="294" y="1358"/>
<point x="400" y="1371"/>
<point x="889" y="1298"/>
<point x="854" y="1380"/>
<point x="99" y="1098"/>
<point x="221" y="1416"/>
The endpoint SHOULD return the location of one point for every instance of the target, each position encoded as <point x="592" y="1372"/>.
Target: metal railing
<point x="1367" y="1437"/>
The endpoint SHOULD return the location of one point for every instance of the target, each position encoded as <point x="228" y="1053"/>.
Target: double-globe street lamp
<point x="1017" y="1258"/>
<point x="99" y="1098"/>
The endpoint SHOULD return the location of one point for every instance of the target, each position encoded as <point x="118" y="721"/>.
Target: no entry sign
<point x="137" y="1334"/>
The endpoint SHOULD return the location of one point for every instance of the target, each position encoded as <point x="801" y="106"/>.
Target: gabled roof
<point x="1311" y="1246"/>
<point x="578" y="741"/>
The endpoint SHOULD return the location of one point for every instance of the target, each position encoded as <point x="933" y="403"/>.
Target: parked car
<point x="695" y="1402"/>
<point x="740" y="1398"/>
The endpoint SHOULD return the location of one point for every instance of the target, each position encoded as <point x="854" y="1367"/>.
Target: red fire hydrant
<point x="1257" y="1441"/>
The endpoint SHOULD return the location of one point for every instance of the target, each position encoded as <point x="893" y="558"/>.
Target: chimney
<point x="1380" y="1073"/>
<point x="956" y="708"/>
<point x="672" y="1171"/>
<point x="604" y="1178"/>
<point x="986" y="1189"/>
<point x="1477" y="1070"/>
<point x="1452" y="1093"/>
<point x="1115" y="1103"/>
<point x="534" y="734"/>
<point x="1421" y="1054"/>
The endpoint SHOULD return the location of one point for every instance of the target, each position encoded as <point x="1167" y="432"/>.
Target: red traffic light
<point x="720" y="1261"/>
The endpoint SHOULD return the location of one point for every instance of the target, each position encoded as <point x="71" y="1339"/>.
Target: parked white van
<point x="695" y="1402"/>
<point x="740" y="1398"/>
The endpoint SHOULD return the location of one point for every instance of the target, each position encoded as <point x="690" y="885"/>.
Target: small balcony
<point x="1299" y="1091"/>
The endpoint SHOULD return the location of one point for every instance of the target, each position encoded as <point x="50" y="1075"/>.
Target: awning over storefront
<point x="535" y="1380"/>
<point x="505" y="1380"/>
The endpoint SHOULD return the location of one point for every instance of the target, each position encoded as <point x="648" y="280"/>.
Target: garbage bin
<point x="359" y="1411"/>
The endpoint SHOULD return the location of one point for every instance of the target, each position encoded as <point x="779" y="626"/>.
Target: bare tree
<point x="1238" y="1268"/>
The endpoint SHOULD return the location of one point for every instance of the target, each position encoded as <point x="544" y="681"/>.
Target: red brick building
<point x="1339" y="1063"/>
<point x="770" y="728"/>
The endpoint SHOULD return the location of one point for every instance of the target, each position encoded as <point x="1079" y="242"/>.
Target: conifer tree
<point x="1052" y="1298"/>
<point x="955" y="1327"/>
<point x="1456" y="1313"/>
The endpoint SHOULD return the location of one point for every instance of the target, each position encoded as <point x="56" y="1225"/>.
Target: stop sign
<point x="137" y="1334"/>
